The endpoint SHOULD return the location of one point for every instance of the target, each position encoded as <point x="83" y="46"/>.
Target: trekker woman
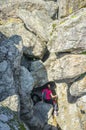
<point x="48" y="97"/>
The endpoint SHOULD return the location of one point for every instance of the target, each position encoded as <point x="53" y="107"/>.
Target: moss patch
<point x="54" y="26"/>
<point x="62" y="22"/>
<point x="22" y="127"/>
<point x="83" y="53"/>
<point x="74" y="16"/>
<point x="10" y="20"/>
<point x="70" y="10"/>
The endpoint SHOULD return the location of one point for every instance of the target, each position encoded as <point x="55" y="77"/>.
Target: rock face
<point x="10" y="56"/>
<point x="69" y="34"/>
<point x="67" y="7"/>
<point x="42" y="41"/>
<point x="66" y="67"/>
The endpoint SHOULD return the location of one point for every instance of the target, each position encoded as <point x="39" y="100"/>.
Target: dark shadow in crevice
<point x="36" y="93"/>
<point x="61" y="54"/>
<point x="71" y="98"/>
<point x="46" y="55"/>
<point x="29" y="29"/>
<point x="2" y="37"/>
<point x="74" y="51"/>
<point x="16" y="77"/>
<point x="55" y="15"/>
<point x="27" y="59"/>
<point x="69" y="81"/>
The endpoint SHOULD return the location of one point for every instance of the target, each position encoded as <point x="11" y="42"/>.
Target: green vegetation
<point x="70" y="10"/>
<point x="53" y="29"/>
<point x="22" y="127"/>
<point x="74" y="16"/>
<point x="62" y="22"/>
<point x="54" y="26"/>
<point x="84" y="52"/>
<point x="51" y="33"/>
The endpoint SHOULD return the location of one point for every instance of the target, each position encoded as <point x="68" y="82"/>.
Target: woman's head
<point x="48" y="86"/>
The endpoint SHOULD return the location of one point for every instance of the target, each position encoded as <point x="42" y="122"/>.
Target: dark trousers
<point x="50" y="101"/>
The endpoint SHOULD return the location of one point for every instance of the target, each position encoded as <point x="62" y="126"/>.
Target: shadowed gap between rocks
<point x="69" y="81"/>
<point x="38" y="118"/>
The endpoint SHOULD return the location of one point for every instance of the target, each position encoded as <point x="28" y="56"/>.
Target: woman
<point x="48" y="97"/>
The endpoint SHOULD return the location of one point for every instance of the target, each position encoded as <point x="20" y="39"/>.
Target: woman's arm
<point x="53" y="96"/>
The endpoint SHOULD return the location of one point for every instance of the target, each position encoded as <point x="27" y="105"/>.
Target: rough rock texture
<point x="33" y="46"/>
<point x="79" y="87"/>
<point x="81" y="104"/>
<point x="38" y="22"/>
<point x="27" y="84"/>
<point x="68" y="113"/>
<point x="38" y="72"/>
<point x="67" y="7"/>
<point x="69" y="34"/>
<point x="40" y="41"/>
<point x="9" y="120"/>
<point x="10" y="55"/>
<point x="66" y="67"/>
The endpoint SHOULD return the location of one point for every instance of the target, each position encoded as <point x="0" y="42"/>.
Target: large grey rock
<point x="81" y="105"/>
<point x="4" y="126"/>
<point x="37" y="22"/>
<point x="39" y="73"/>
<point x="66" y="67"/>
<point x="69" y="34"/>
<point x="79" y="87"/>
<point x="27" y="83"/>
<point x="69" y="66"/>
<point x="68" y="117"/>
<point x="70" y="6"/>
<point x="9" y="120"/>
<point x="49" y="7"/>
<point x="42" y="113"/>
<point x="33" y="46"/>
<point x="10" y="56"/>
<point x="2" y="37"/>
<point x="7" y="86"/>
<point x="12" y="49"/>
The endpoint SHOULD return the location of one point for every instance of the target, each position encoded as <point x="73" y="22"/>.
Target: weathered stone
<point x="67" y="7"/>
<point x="4" y="126"/>
<point x="68" y="113"/>
<point x="38" y="72"/>
<point x="27" y="81"/>
<point x="81" y="104"/>
<point x="69" y="34"/>
<point x="7" y="86"/>
<point x="12" y="50"/>
<point x="3" y="66"/>
<point x="27" y="84"/>
<point x="9" y="119"/>
<point x="10" y="56"/>
<point x="43" y="110"/>
<point x="33" y="46"/>
<point x="37" y="22"/>
<point x="11" y="102"/>
<point x="2" y="37"/>
<point x="65" y="36"/>
<point x="9" y="7"/>
<point x="79" y="87"/>
<point x="66" y="67"/>
<point x="43" y="113"/>
<point x="3" y="118"/>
